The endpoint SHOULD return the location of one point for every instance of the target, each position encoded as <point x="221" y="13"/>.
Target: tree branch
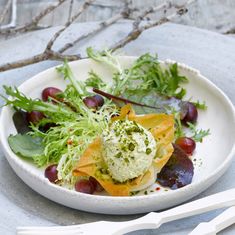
<point x="99" y="28"/>
<point x="138" y="30"/>
<point x="47" y="55"/>
<point x="57" y="34"/>
<point x="34" y="23"/>
<point x="70" y="9"/>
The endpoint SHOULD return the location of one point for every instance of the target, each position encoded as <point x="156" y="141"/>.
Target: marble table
<point x="213" y="54"/>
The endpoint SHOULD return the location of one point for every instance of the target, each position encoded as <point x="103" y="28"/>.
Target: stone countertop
<point x="211" y="53"/>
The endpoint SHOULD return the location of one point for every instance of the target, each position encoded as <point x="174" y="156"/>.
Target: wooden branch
<point x="137" y="30"/>
<point x="230" y="31"/>
<point x="100" y="27"/>
<point x="33" y="24"/>
<point x="70" y="9"/>
<point x="57" y="34"/>
<point x="22" y="63"/>
<point x="5" y="11"/>
<point x="47" y="55"/>
<point x="148" y="11"/>
<point x="50" y="54"/>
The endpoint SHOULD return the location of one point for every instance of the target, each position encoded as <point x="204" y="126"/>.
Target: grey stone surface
<point x="213" y="54"/>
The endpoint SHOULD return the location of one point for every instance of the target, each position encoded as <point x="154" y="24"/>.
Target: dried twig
<point x="5" y="11"/>
<point x="137" y="29"/>
<point x="148" y="11"/>
<point x="38" y="58"/>
<point x="57" y="34"/>
<point x="33" y="24"/>
<point x="48" y="53"/>
<point x="100" y="27"/>
<point x="70" y="9"/>
<point x="230" y="31"/>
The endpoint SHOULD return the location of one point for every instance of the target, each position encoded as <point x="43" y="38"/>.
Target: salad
<point x="118" y="137"/>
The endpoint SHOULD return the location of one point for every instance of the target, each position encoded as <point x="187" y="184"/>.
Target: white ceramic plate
<point x="213" y="156"/>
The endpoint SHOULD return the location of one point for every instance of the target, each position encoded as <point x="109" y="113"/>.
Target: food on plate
<point x="128" y="149"/>
<point x="115" y="163"/>
<point x="114" y="137"/>
<point x="179" y="169"/>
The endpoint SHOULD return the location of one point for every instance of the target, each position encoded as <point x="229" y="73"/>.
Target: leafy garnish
<point x="200" y="105"/>
<point x="198" y="135"/>
<point x="66" y="71"/>
<point x="56" y="112"/>
<point x="106" y="57"/>
<point x="146" y="73"/>
<point x="179" y="132"/>
<point x="28" y="147"/>
<point x="95" y="81"/>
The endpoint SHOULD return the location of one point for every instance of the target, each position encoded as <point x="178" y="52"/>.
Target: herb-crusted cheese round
<point x="129" y="150"/>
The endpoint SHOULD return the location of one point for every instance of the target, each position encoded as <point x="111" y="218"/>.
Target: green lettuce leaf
<point x="28" y="147"/>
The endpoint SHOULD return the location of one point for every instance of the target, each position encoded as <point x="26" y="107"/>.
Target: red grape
<point x="99" y="99"/>
<point x="187" y="144"/>
<point x="51" y="92"/>
<point x="51" y="173"/>
<point x="34" y="117"/>
<point x="96" y="184"/>
<point x="84" y="186"/>
<point x="191" y="113"/>
<point x="90" y="102"/>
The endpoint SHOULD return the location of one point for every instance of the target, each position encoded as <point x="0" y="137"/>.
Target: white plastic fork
<point x="152" y="220"/>
<point x="219" y="223"/>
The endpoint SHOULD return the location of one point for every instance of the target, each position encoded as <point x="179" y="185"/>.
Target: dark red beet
<point x="99" y="99"/>
<point x="35" y="117"/>
<point x="191" y="114"/>
<point x="90" y="102"/>
<point x="187" y="144"/>
<point x="52" y="92"/>
<point x="84" y="186"/>
<point x="51" y="173"/>
<point x="96" y="184"/>
<point x="178" y="172"/>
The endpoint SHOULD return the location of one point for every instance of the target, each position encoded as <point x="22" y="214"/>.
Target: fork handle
<point x="224" y="220"/>
<point x="219" y="223"/>
<point x="215" y="201"/>
<point x="155" y="220"/>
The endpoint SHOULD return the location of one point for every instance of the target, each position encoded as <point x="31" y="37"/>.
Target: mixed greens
<point x="73" y="118"/>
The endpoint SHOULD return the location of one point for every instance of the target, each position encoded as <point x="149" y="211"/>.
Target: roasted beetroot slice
<point x="178" y="172"/>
